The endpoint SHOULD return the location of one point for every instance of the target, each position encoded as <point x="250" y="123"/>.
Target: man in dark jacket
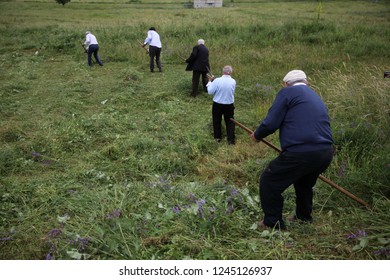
<point x="307" y="149"/>
<point x="198" y="63"/>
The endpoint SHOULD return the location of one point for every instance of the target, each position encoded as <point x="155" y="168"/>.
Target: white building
<point x="207" y="3"/>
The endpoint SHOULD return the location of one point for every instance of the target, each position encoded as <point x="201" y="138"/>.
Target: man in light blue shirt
<point x="153" y="39"/>
<point x="223" y="89"/>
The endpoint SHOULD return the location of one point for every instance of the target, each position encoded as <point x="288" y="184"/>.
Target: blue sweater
<point x="302" y="119"/>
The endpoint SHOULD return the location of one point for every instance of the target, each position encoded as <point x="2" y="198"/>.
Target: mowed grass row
<point x="116" y="163"/>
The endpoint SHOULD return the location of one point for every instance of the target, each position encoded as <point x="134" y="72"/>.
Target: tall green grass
<point x="115" y="163"/>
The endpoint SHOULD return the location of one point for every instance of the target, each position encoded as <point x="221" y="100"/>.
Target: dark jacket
<point x="199" y="59"/>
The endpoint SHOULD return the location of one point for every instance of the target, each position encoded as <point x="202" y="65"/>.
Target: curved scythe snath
<point x="329" y="182"/>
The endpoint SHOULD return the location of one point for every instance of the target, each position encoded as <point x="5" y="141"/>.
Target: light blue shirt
<point x="153" y="39"/>
<point x="223" y="89"/>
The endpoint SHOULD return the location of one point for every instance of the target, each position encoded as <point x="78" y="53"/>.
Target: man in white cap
<point x="307" y="149"/>
<point x="92" y="47"/>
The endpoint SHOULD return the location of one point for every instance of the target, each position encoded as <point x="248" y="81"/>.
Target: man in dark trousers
<point x="153" y="39"/>
<point x="223" y="89"/>
<point x="92" y="47"/>
<point x="307" y="149"/>
<point x="198" y="63"/>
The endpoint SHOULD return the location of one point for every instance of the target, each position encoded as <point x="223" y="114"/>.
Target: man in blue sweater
<point x="307" y="149"/>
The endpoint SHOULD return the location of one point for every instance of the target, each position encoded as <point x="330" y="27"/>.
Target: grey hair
<point x="200" y="42"/>
<point x="227" y="70"/>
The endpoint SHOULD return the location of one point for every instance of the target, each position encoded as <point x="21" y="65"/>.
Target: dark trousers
<point x="93" y="49"/>
<point x="195" y="81"/>
<point x="154" y="54"/>
<point x="298" y="169"/>
<point x="227" y="111"/>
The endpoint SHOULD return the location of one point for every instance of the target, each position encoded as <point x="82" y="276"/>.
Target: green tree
<point x="63" y="2"/>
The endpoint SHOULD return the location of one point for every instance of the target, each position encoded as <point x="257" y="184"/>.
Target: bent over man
<point x="92" y="46"/>
<point x="307" y="149"/>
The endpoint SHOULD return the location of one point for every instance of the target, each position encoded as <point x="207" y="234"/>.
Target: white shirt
<point x="223" y="89"/>
<point x="153" y="39"/>
<point x="90" y="39"/>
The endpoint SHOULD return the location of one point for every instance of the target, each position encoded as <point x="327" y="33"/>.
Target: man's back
<point x="223" y="89"/>
<point x="304" y="119"/>
<point x="199" y="59"/>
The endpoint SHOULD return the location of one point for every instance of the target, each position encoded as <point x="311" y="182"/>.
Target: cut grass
<point x="114" y="162"/>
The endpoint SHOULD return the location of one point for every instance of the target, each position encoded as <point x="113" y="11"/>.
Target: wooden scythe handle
<point x="329" y="182"/>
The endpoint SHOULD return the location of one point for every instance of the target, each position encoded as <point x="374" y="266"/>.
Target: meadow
<point x="115" y="162"/>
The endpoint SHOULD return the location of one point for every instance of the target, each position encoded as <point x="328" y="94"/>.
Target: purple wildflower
<point x="192" y="197"/>
<point x="176" y="209"/>
<point x="230" y="209"/>
<point x="233" y="192"/>
<point x="383" y="251"/>
<point x="49" y="257"/>
<point x="115" y="214"/>
<point x="162" y="180"/>
<point x="5" y="238"/>
<point x="200" y="204"/>
<point x="80" y="242"/>
<point x="55" y="233"/>
<point x="83" y="243"/>
<point x="358" y="234"/>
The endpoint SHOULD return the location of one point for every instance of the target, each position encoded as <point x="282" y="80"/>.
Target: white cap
<point x="200" y="42"/>
<point x="294" y="75"/>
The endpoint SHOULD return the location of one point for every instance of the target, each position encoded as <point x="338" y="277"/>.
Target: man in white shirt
<point x="92" y="46"/>
<point x="223" y="89"/>
<point x="153" y="39"/>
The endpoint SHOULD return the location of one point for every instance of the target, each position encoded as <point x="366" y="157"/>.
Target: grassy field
<point x="116" y="162"/>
